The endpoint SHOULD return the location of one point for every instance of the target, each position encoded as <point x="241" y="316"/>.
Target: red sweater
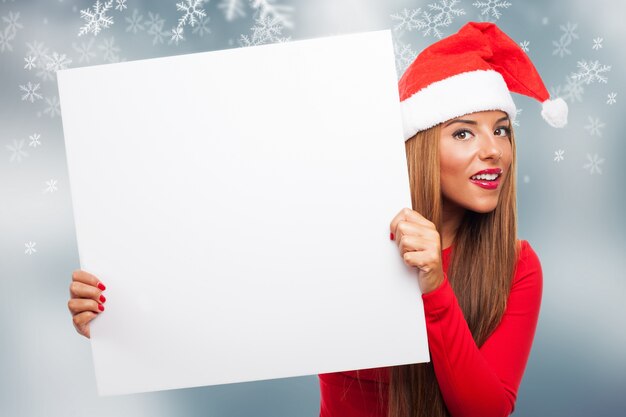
<point x="473" y="381"/>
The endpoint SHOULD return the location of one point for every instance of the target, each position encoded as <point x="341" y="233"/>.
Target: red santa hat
<point x="472" y="70"/>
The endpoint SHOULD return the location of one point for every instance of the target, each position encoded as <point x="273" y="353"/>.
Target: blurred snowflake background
<point x="570" y="194"/>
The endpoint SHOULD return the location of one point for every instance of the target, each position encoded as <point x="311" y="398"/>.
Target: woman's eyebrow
<point x="473" y="122"/>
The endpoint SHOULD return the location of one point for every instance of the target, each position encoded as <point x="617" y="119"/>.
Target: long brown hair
<point x="481" y="288"/>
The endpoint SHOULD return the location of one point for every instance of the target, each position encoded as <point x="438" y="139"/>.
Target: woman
<point x="481" y="287"/>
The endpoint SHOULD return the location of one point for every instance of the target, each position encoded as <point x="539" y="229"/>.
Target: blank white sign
<point x="236" y="204"/>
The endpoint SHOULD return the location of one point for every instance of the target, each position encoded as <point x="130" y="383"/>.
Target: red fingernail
<point x="101" y="307"/>
<point x="391" y="236"/>
<point x="101" y="286"/>
<point x="102" y="298"/>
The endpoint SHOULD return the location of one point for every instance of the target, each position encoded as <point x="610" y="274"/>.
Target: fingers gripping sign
<point x="420" y="246"/>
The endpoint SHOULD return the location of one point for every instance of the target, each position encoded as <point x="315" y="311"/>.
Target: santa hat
<point x="469" y="71"/>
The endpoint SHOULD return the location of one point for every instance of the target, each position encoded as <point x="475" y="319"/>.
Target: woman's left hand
<point x="420" y="246"/>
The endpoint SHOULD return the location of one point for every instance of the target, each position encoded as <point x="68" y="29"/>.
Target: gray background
<point x="570" y="213"/>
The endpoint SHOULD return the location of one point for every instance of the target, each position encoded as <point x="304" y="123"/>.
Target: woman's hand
<point x="85" y="300"/>
<point x="420" y="246"/>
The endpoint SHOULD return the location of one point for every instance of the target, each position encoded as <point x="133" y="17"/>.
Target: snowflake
<point x="591" y="71"/>
<point x="84" y="51"/>
<point x="524" y="45"/>
<point x="404" y="55"/>
<point x="51" y="186"/>
<point x="491" y="6"/>
<point x="232" y="9"/>
<point x="573" y="90"/>
<point x="594" y="126"/>
<point x="594" y="164"/>
<point x="96" y="19"/>
<point x="446" y="10"/>
<point x="516" y="118"/>
<point x="177" y="35"/>
<point x="5" y="38"/>
<point x="17" y="152"/>
<point x="431" y="25"/>
<point x="134" y="22"/>
<point x="192" y="12"/>
<point x="155" y="28"/>
<point x="30" y="62"/>
<point x="278" y="12"/>
<point x="597" y="43"/>
<point x="57" y="62"/>
<point x="561" y="47"/>
<point x="12" y="22"/>
<point x="37" y="49"/>
<point x="611" y="98"/>
<point x="30" y="92"/>
<point x="526" y="179"/>
<point x="30" y="248"/>
<point x="558" y="155"/>
<point x="565" y="40"/>
<point x="34" y="140"/>
<point x="202" y="27"/>
<point x="109" y="50"/>
<point x="121" y="5"/>
<point x="407" y="19"/>
<point x="266" y="30"/>
<point x="52" y="108"/>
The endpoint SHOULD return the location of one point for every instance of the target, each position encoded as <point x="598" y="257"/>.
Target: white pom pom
<point x="555" y="112"/>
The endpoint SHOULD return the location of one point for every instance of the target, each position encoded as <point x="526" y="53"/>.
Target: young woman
<point x="481" y="286"/>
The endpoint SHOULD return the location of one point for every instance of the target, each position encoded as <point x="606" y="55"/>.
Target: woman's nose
<point x="490" y="148"/>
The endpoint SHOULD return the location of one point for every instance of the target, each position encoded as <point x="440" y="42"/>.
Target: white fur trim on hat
<point x="455" y="96"/>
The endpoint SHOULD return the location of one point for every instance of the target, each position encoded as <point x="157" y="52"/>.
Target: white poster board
<point x="236" y="204"/>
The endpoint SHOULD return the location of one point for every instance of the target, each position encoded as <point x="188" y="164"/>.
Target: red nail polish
<point x="391" y="236"/>
<point x="101" y="286"/>
<point x="101" y="307"/>
<point x="102" y="298"/>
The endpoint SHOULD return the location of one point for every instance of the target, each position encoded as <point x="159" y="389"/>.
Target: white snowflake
<point x="404" y="55"/>
<point x="573" y="90"/>
<point x="57" y="62"/>
<point x="594" y="164"/>
<point x="30" y="62"/>
<point x="594" y="127"/>
<point x="516" y="118"/>
<point x="561" y="47"/>
<point x="177" y="35"/>
<point x="51" y="186"/>
<point x="12" y="21"/>
<point x="155" y="28"/>
<point x="134" y="22"/>
<point x="109" y="50"/>
<point x="280" y="13"/>
<point x="430" y="25"/>
<point x="597" y="43"/>
<point x="17" y="153"/>
<point x="192" y="12"/>
<point x="30" y="92"/>
<point x="611" y="98"/>
<point x="565" y="40"/>
<point x="446" y="10"/>
<point x="30" y="248"/>
<point x="232" y="9"/>
<point x="85" y="54"/>
<point x="491" y="6"/>
<point x="524" y="45"/>
<point x="407" y="19"/>
<point x="591" y="71"/>
<point x="96" y="19"/>
<point x="52" y="108"/>
<point x="6" y="36"/>
<point x="558" y="155"/>
<point x="121" y="5"/>
<point x="266" y="30"/>
<point x="37" y="50"/>
<point x="202" y="27"/>
<point x="34" y="140"/>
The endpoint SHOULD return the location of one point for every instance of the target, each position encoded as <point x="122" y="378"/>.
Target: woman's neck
<point x="452" y="215"/>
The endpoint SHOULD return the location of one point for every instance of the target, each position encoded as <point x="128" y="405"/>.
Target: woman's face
<point x="470" y="144"/>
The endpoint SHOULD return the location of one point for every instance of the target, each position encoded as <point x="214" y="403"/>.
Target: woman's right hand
<point x="85" y="300"/>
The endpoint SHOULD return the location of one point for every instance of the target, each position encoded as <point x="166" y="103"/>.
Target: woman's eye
<point x="461" y="134"/>
<point x="505" y="129"/>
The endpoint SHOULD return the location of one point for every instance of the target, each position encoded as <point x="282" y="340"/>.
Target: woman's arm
<point x="484" y="382"/>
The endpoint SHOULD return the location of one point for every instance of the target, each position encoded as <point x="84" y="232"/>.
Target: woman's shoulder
<point x="528" y="263"/>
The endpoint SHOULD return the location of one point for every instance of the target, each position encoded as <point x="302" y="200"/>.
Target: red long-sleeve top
<point x="473" y="381"/>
